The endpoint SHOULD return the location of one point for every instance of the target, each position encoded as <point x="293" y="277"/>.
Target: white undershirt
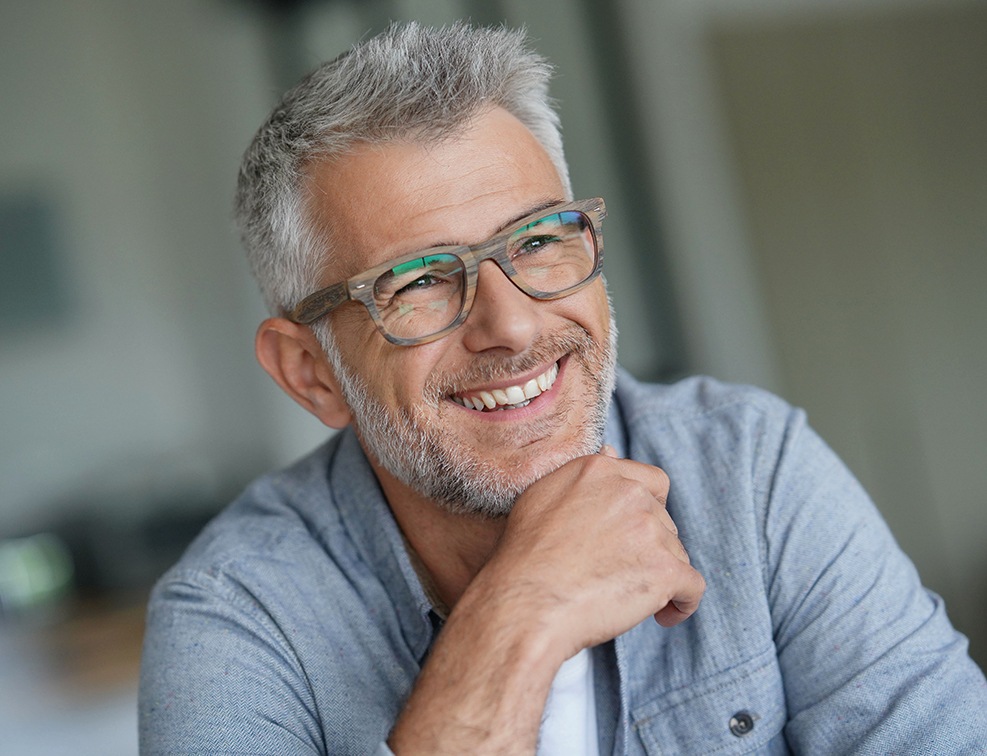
<point x="569" y="723"/>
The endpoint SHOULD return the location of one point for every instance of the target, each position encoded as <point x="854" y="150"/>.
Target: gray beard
<point x="424" y="458"/>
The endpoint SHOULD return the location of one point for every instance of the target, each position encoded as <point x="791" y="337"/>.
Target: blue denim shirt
<point x="296" y="623"/>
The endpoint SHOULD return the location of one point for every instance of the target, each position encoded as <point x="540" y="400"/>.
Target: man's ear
<point x="293" y="357"/>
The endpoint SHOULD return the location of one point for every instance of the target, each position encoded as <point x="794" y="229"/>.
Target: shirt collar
<point x="375" y="533"/>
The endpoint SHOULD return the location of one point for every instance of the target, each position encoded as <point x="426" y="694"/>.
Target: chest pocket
<point x="740" y="710"/>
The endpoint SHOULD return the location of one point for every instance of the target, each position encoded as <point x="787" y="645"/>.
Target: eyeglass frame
<point x="360" y="288"/>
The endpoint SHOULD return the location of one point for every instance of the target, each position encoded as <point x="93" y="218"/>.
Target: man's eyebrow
<point x="530" y="211"/>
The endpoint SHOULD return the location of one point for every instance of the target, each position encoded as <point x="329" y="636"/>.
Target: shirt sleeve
<point x="870" y="661"/>
<point x="217" y="676"/>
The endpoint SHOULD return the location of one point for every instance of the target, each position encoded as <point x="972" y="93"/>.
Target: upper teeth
<point x="512" y="396"/>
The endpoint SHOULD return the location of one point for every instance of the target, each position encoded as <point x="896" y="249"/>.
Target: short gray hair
<point x="411" y="81"/>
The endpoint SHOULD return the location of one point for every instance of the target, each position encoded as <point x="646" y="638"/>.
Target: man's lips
<point x="508" y="397"/>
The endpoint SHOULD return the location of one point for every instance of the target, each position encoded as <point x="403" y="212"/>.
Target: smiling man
<point x="489" y="557"/>
<point x="464" y="420"/>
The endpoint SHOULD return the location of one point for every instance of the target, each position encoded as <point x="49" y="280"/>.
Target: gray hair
<point x="409" y="82"/>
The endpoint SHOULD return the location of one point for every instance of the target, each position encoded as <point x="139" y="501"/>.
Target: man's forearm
<point x="484" y="686"/>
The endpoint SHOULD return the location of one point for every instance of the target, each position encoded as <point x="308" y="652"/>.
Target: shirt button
<point x="741" y="723"/>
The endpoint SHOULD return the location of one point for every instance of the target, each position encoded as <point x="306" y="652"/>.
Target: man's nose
<point x="502" y="316"/>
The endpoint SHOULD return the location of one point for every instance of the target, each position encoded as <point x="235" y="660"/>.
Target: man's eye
<point x="534" y="244"/>
<point x="424" y="281"/>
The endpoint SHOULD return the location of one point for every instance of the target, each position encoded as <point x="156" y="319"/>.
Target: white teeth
<point x="513" y="396"/>
<point x="469" y="402"/>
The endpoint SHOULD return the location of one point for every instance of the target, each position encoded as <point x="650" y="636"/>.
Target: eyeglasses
<point x="421" y="297"/>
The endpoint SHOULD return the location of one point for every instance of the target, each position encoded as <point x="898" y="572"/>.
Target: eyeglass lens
<point x="422" y="296"/>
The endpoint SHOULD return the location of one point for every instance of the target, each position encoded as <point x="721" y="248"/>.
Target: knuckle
<point x="640" y="526"/>
<point x="638" y="490"/>
<point x="591" y="466"/>
<point x="629" y="492"/>
<point x="662" y="477"/>
<point x="663" y="482"/>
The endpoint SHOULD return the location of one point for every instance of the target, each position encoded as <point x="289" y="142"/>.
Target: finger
<point x="653" y="478"/>
<point x="671" y="542"/>
<point x="679" y="551"/>
<point x="684" y="603"/>
<point x="656" y="481"/>
<point x="666" y="519"/>
<point x="670" y="615"/>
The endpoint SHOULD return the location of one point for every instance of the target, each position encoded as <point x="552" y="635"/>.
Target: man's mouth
<point x="509" y="397"/>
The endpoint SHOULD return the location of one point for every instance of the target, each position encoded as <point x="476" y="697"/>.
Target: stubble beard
<point x="429" y="458"/>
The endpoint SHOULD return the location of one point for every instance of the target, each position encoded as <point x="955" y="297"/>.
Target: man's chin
<point x="464" y="482"/>
<point x="490" y="488"/>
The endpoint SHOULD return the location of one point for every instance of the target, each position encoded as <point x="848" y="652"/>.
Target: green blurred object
<point x="35" y="572"/>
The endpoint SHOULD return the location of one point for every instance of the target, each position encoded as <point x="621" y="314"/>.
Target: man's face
<point x="414" y="407"/>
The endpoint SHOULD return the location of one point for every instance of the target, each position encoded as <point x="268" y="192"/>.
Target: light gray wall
<point x="129" y="118"/>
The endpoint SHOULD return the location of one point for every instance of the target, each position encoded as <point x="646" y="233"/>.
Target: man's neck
<point x="451" y="548"/>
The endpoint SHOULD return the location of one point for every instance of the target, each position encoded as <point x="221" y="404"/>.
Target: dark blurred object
<point x="33" y="290"/>
<point x="123" y="555"/>
<point x="114" y="536"/>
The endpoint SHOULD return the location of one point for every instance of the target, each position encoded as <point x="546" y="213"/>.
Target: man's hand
<point x="592" y="551"/>
<point x="589" y="551"/>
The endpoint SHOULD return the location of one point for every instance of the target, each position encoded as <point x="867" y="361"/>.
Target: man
<point x="489" y="558"/>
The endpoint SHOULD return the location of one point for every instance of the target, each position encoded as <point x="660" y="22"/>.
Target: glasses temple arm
<point x="314" y="306"/>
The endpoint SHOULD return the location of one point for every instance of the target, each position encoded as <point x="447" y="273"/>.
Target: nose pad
<point x="502" y="316"/>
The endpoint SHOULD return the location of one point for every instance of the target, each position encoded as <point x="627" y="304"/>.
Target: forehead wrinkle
<point x="498" y="170"/>
<point x="536" y="207"/>
<point x="477" y="231"/>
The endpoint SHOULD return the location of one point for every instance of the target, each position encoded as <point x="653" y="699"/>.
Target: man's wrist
<point x="485" y="684"/>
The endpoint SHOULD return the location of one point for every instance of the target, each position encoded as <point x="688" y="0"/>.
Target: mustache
<point x="488" y="368"/>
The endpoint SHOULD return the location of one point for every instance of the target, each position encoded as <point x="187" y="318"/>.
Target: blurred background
<point x="797" y="196"/>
